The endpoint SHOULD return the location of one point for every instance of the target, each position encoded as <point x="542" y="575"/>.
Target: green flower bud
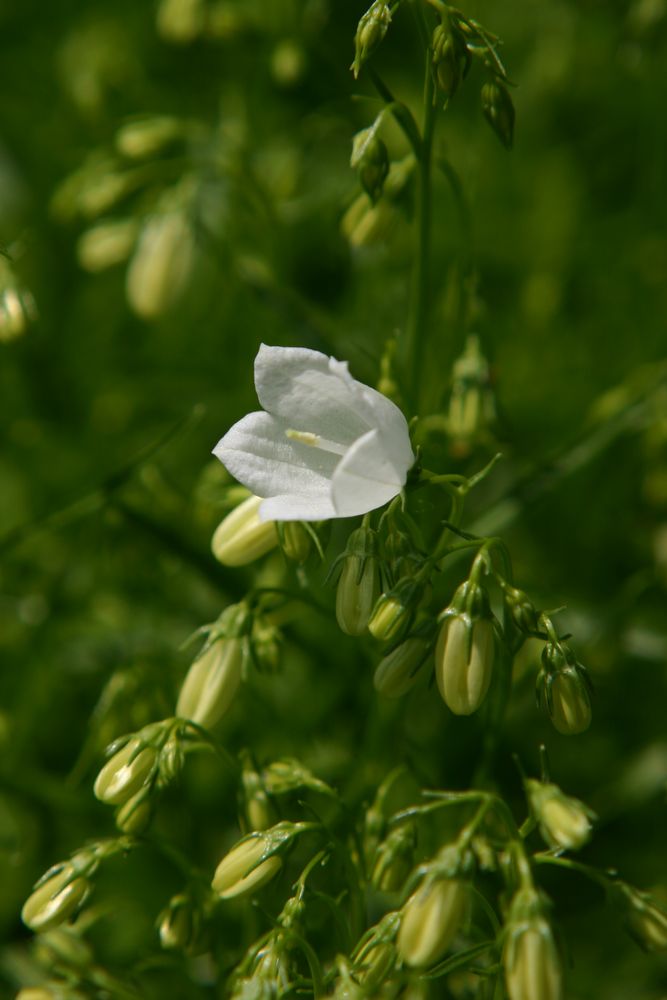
<point x="179" y="925"/>
<point x="64" y="944"/>
<point x="498" y="109"/>
<point x="565" y="823"/>
<point x="370" y="31"/>
<point x="645" y="920"/>
<point x="564" y="688"/>
<point x="55" y="898"/>
<point x="126" y="772"/>
<point x="395" y="610"/>
<point x="374" y="966"/>
<point x="464" y="658"/>
<point x="430" y="920"/>
<point x="295" y="540"/>
<point x="371" y="161"/>
<point x="256" y="806"/>
<point x="397" y="671"/>
<point x="161" y="264"/>
<point x="212" y="682"/>
<point x="394" y="859"/>
<point x="245" y="868"/>
<point x="359" y="583"/>
<point x="471" y="405"/>
<point x="532" y="967"/>
<point x="241" y="537"/>
<point x="451" y="59"/>
<point x="135" y="815"/>
<point x="106" y="244"/>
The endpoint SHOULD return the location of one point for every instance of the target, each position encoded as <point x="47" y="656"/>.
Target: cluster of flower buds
<point x="371" y="30"/>
<point x="432" y="916"/>
<point x="531" y="963"/>
<point x="213" y="679"/>
<point x="564" y="688"/>
<point x="565" y="822"/>
<point x="466" y="649"/>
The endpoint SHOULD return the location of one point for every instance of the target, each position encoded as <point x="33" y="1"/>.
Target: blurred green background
<point x="111" y="404"/>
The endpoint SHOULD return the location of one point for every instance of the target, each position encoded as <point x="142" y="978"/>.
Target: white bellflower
<point x="325" y="445"/>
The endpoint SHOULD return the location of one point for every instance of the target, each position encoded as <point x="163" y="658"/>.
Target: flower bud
<point x="371" y="161"/>
<point x="565" y="689"/>
<point x="135" y="815"/>
<point x="181" y="21"/>
<point x="245" y="868"/>
<point x="375" y="966"/>
<point x="256" y="806"/>
<point x="394" y="610"/>
<point x="397" y="671"/>
<point x="55" y="898"/>
<point x="498" y="109"/>
<point x="430" y="920"/>
<point x="17" y="311"/>
<point x="64" y="945"/>
<point x="106" y="244"/>
<point x="147" y="136"/>
<point x="179" y="925"/>
<point x="211" y="683"/>
<point x="295" y="540"/>
<point x="394" y="859"/>
<point x="161" y="264"/>
<point x="370" y="31"/>
<point x="645" y="920"/>
<point x="464" y="657"/>
<point x="532" y="967"/>
<point x="471" y="405"/>
<point x="359" y="583"/>
<point x="451" y="59"/>
<point x="564" y="822"/>
<point x="126" y="772"/>
<point x="241" y="537"/>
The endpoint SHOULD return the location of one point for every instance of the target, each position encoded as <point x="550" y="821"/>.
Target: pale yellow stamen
<point x="315" y="441"/>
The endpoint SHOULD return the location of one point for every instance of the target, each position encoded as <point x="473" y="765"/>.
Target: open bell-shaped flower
<point x="325" y="446"/>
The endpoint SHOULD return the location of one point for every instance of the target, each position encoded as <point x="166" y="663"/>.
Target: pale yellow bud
<point x="646" y="921"/>
<point x="358" y="590"/>
<point x="296" y="541"/>
<point x="125" y="773"/>
<point x="375" y="966"/>
<point x="241" y="537"/>
<point x="106" y="244"/>
<point x="55" y="900"/>
<point x="243" y="871"/>
<point x="17" y="310"/>
<point x="430" y="920"/>
<point x="464" y="657"/>
<point x="135" y="815"/>
<point x="63" y="944"/>
<point x="532" y="967"/>
<point x="564" y="821"/>
<point x="178" y="924"/>
<point x="211" y="683"/>
<point x="161" y="264"/>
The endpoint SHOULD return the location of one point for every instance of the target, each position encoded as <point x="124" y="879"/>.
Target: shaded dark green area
<point x="107" y="499"/>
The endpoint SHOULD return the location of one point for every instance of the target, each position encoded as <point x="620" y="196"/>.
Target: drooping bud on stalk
<point x="395" y="610"/>
<point x="394" y="858"/>
<point x="241" y="537"/>
<point x="370" y="31"/>
<point x="644" y="919"/>
<point x="257" y="808"/>
<point x="247" y="867"/>
<point x="530" y="959"/>
<point x="179" y="925"/>
<point x="498" y="109"/>
<point x="451" y="58"/>
<point x="563" y="686"/>
<point x="397" y="671"/>
<point x="59" y="893"/>
<point x="430" y="920"/>
<point x="135" y="815"/>
<point x="465" y="650"/>
<point x="359" y="583"/>
<point x="214" y="678"/>
<point x="371" y="161"/>
<point x="374" y="966"/>
<point x="295" y="540"/>
<point x="565" y="822"/>
<point x="472" y="408"/>
<point x="126" y="772"/>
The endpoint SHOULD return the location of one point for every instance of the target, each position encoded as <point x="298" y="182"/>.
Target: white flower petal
<point x="257" y="452"/>
<point x="364" y="479"/>
<point x="297" y="508"/>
